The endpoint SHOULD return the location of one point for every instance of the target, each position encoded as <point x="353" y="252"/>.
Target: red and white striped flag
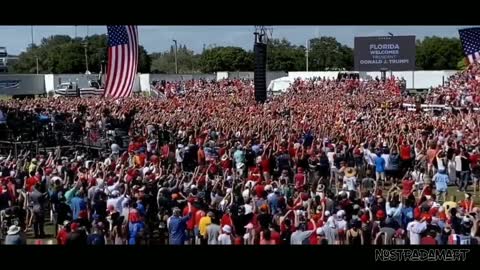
<point x="122" y="60"/>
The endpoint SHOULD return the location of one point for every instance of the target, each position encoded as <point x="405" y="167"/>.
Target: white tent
<point x="280" y="85"/>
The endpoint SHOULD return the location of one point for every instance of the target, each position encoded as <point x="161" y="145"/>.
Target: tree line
<point x="63" y="54"/>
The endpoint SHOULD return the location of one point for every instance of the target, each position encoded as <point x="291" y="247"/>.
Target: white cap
<point x="268" y="187"/>
<point x="340" y="213"/>
<point x="227" y="229"/>
<point x="193" y="187"/>
<point x="320" y="231"/>
<point x="327" y="213"/>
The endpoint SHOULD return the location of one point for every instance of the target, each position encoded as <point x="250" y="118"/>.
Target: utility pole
<point x="85" y="45"/>
<point x="176" y="63"/>
<point x="306" y="54"/>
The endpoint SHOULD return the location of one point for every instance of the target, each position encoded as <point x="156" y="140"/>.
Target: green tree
<point x="165" y="62"/>
<point x="436" y="53"/>
<point x="462" y="64"/>
<point x="326" y="53"/>
<point x="62" y="54"/>
<point x="226" y="59"/>
<point x="283" y="56"/>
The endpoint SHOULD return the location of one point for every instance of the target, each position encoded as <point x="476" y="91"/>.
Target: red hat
<point x="433" y="211"/>
<point x="110" y="181"/>
<point x="380" y="214"/>
<point x="427" y="217"/>
<point x="364" y="218"/>
<point x="74" y="226"/>
<point x="304" y="196"/>
<point x="48" y="171"/>
<point x="92" y="181"/>
<point x="154" y="159"/>
<point x="83" y="214"/>
<point x="300" y="170"/>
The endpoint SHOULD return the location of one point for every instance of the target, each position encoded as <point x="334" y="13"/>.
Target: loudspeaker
<point x="260" y="72"/>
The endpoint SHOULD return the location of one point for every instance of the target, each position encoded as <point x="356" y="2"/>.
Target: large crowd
<point x="334" y="162"/>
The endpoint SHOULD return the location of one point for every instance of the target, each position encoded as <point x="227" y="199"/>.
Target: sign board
<point x="392" y="53"/>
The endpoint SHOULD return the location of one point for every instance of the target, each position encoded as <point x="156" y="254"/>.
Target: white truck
<point x="90" y="88"/>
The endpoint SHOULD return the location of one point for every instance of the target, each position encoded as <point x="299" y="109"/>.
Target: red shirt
<point x="226" y="220"/>
<point x="405" y="151"/>
<point x="62" y="237"/>
<point x="31" y="182"/>
<point x="198" y="215"/>
<point x="428" y="241"/>
<point x="467" y="205"/>
<point x="299" y="180"/>
<point x="191" y="221"/>
<point x="265" y="164"/>
<point x="275" y="236"/>
<point x="259" y="189"/>
<point x="474" y="159"/>
<point x="226" y="164"/>
<point x="165" y="151"/>
<point x="407" y="187"/>
<point x="313" y="237"/>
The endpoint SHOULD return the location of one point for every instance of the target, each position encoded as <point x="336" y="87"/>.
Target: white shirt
<point x="350" y="182"/>
<point x="414" y="229"/>
<point x="386" y="157"/>
<point x="341" y="224"/>
<point x="331" y="159"/>
<point x="224" y="239"/>
<point x="178" y="156"/>
<point x="440" y="165"/>
<point x="458" y="163"/>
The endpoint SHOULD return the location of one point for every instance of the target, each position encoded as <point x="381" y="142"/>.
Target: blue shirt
<point x="239" y="156"/>
<point x="176" y="229"/>
<point x="272" y="199"/>
<point x="379" y="164"/>
<point x="95" y="240"/>
<point x="407" y="216"/>
<point x="77" y="204"/>
<point x="441" y="181"/>
<point x="134" y="229"/>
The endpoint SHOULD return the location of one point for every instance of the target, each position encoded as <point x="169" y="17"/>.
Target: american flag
<point x="122" y="60"/>
<point x="470" y="38"/>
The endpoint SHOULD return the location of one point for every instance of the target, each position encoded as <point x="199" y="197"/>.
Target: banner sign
<point x="393" y="53"/>
<point x="9" y="84"/>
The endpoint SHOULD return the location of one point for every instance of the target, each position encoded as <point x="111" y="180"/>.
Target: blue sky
<point x="159" y="38"/>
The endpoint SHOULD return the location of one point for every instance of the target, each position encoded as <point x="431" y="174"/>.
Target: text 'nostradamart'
<point x="420" y="255"/>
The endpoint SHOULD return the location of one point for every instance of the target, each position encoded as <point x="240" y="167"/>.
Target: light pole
<point x="176" y="63"/>
<point x="31" y="33"/>
<point x="85" y="45"/>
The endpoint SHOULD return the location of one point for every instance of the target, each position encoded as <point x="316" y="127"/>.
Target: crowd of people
<point x="335" y="162"/>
